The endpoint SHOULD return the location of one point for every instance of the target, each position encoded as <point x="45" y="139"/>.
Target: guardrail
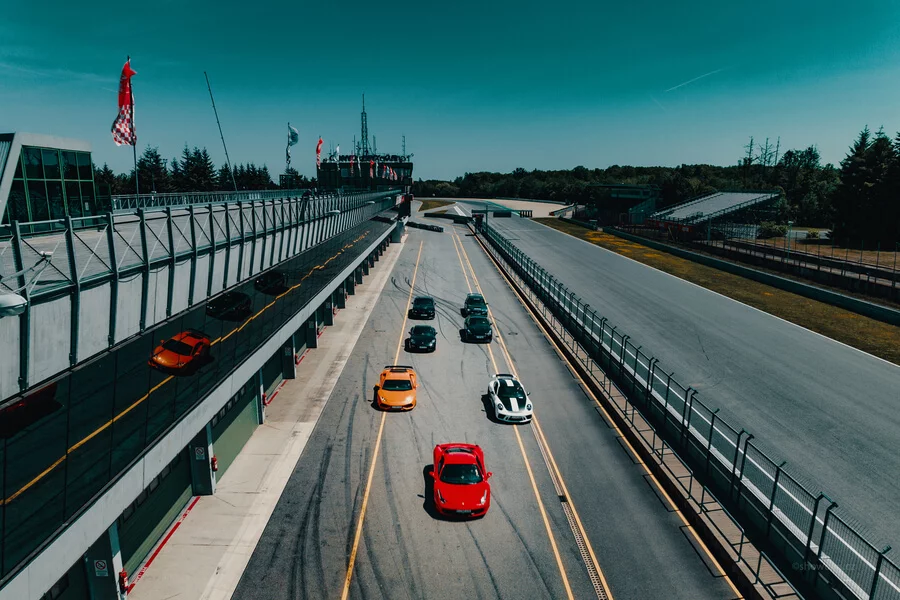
<point x="135" y="201"/>
<point x="414" y="225"/>
<point x="804" y="533"/>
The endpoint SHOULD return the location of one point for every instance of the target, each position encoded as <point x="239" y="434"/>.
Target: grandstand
<point x="727" y="214"/>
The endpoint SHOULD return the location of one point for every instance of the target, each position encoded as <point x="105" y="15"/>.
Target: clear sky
<point x="473" y="85"/>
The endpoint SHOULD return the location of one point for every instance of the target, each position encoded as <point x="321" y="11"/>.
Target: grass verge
<point x="429" y="204"/>
<point x="875" y="337"/>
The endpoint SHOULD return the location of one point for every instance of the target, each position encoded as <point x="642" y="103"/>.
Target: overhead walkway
<point x="114" y="276"/>
<point x="101" y="457"/>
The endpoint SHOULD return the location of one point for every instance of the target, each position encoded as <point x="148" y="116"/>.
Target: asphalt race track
<point x="405" y="551"/>
<point x="831" y="411"/>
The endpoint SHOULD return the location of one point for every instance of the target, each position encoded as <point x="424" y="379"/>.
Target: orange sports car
<point x="396" y="388"/>
<point x="181" y="353"/>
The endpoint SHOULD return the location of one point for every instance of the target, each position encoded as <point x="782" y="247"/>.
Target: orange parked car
<point x="396" y="388"/>
<point x="182" y="353"/>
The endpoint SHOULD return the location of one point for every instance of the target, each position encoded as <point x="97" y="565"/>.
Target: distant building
<point x="372" y="172"/>
<point x="612" y="203"/>
<point x="44" y="177"/>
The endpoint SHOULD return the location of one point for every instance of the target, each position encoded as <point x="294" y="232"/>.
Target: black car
<point x="230" y="306"/>
<point x="271" y="282"/>
<point x="478" y="329"/>
<point x="422" y="308"/>
<point x="422" y="337"/>
<point x="474" y="305"/>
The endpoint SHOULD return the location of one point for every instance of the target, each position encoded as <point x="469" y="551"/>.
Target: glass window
<point x="84" y="165"/>
<point x="51" y="164"/>
<point x="73" y="198"/>
<point x="37" y="200"/>
<point x="17" y="206"/>
<point x="87" y="199"/>
<point x="34" y="167"/>
<point x="70" y="167"/>
<point x="18" y="174"/>
<point x="55" y="199"/>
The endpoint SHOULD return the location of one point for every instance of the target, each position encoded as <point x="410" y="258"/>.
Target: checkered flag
<point x="123" y="127"/>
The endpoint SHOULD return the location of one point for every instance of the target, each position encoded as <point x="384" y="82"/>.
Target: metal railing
<point x="803" y="531"/>
<point x="135" y="201"/>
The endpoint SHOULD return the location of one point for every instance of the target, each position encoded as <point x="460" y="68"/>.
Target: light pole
<point x="13" y="304"/>
<point x="790" y="228"/>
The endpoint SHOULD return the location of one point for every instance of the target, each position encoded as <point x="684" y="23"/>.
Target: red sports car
<point x="182" y="353"/>
<point x="461" y="485"/>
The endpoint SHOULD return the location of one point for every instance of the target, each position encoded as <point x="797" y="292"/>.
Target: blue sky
<point x="473" y="85"/>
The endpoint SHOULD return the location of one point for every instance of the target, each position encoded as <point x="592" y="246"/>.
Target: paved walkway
<point x="205" y="552"/>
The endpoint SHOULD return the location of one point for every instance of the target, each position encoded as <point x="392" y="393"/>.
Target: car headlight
<point x="499" y="406"/>
<point x="528" y="406"/>
<point x="441" y="497"/>
<point x="483" y="498"/>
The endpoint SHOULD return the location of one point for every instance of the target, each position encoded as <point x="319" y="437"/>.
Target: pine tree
<point x="851" y="192"/>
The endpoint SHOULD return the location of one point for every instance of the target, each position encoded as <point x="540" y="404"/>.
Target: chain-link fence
<point x="799" y="528"/>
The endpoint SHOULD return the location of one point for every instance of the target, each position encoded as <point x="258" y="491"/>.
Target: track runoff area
<point x="574" y="513"/>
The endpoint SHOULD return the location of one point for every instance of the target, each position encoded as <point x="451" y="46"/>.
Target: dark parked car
<point x="478" y="329"/>
<point x="271" y="282"/>
<point x="422" y="337"/>
<point x="230" y="306"/>
<point x="422" y="307"/>
<point x="475" y="305"/>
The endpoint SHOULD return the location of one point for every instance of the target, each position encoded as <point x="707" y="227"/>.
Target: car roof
<point x="423" y="329"/>
<point x="475" y="297"/>
<point x="417" y="298"/>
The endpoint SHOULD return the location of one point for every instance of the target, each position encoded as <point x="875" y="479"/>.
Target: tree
<point x="154" y="177"/>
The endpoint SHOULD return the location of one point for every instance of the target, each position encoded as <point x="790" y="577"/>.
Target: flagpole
<point x="137" y="187"/>
<point x="227" y="160"/>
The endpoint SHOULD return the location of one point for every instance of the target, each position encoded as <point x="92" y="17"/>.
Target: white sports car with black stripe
<point x="509" y="399"/>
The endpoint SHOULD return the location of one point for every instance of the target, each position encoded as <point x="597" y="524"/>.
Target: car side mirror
<point x="489" y="475"/>
<point x="433" y="474"/>
<point x="161" y="342"/>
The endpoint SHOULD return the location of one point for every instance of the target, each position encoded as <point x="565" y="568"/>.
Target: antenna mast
<point x="364" y="140"/>
<point x="404" y="145"/>
<point x="227" y="160"/>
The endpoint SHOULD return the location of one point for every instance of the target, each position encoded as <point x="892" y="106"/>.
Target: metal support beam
<point x="170" y="295"/>
<point x="212" y="253"/>
<point x="114" y="278"/>
<point x="145" y="285"/>
<point x="194" y="256"/>
<point x="76" y="294"/>
<point x="25" y="317"/>
<point x="227" y="249"/>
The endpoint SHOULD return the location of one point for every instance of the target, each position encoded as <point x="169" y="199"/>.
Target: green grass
<point x="429" y="204"/>
<point x="872" y="336"/>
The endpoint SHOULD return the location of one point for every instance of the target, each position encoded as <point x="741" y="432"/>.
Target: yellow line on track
<point x="540" y="503"/>
<point x="631" y="449"/>
<point x="137" y="402"/>
<point x="365" y="503"/>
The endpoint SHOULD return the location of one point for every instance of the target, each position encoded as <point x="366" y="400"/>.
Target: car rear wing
<point x="195" y="333"/>
<point x="398" y="367"/>
<point x="510" y="375"/>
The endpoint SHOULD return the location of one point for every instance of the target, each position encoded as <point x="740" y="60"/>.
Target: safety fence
<point x="797" y="531"/>
<point x="135" y="201"/>
<point x="104" y="279"/>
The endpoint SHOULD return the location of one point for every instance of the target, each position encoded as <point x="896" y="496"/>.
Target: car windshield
<point x="422" y="330"/>
<point x="396" y="385"/>
<point x="478" y="321"/>
<point x="461" y="474"/>
<point x="476" y="300"/>
<point x="177" y="347"/>
<point x="511" y="391"/>
<point x="423" y="302"/>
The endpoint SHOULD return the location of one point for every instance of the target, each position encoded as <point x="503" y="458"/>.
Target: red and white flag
<point x="371" y="169"/>
<point x="123" y="127"/>
<point x="319" y="153"/>
<point x="352" y="157"/>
